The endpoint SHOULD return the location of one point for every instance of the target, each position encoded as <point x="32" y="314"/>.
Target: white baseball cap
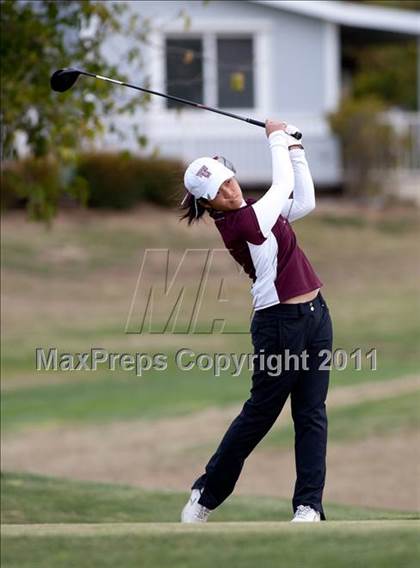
<point x="204" y="176"/>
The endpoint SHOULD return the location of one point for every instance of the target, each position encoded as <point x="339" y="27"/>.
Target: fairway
<point x="163" y="529"/>
<point x="49" y="522"/>
<point x="72" y="287"/>
<point x="269" y="544"/>
<point x="210" y="316"/>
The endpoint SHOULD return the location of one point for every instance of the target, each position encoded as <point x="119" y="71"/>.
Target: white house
<point x="262" y="59"/>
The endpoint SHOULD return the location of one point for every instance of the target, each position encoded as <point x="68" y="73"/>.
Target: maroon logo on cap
<point x="203" y="172"/>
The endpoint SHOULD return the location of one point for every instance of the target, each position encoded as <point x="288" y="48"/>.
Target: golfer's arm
<point x="303" y="201"/>
<point x="269" y="207"/>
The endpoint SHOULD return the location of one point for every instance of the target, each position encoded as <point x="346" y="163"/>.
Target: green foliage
<point x="103" y="180"/>
<point x="39" y="183"/>
<point x="387" y="71"/>
<point x="382" y="76"/>
<point x="35" y="181"/>
<point x="119" y="180"/>
<point x="38" y="38"/>
<point x="385" y="68"/>
<point x="368" y="144"/>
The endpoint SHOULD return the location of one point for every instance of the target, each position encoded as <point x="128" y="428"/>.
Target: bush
<point x="105" y="180"/>
<point x="119" y="181"/>
<point x="368" y="144"/>
<point x="35" y="182"/>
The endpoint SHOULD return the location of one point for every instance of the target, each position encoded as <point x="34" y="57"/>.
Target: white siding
<point x="294" y="57"/>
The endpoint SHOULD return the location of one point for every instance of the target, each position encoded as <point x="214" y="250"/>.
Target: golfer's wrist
<point x="278" y="138"/>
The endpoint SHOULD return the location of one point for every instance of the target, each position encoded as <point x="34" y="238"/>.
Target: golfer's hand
<point x="273" y="125"/>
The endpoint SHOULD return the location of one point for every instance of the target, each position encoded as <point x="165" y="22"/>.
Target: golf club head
<point x="63" y="79"/>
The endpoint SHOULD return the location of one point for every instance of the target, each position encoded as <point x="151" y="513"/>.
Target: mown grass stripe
<point x="104" y="529"/>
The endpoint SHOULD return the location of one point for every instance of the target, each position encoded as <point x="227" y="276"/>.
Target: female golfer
<point x="291" y="318"/>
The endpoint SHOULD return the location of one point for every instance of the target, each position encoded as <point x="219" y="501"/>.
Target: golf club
<point x="63" y="79"/>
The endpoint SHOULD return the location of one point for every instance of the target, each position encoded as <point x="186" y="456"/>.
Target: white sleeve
<point x="303" y="201"/>
<point x="269" y="207"/>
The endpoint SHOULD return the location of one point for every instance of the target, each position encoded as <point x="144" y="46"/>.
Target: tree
<point x="40" y="37"/>
<point x="368" y="145"/>
<point x="387" y="71"/>
<point x="386" y="68"/>
<point x="36" y="39"/>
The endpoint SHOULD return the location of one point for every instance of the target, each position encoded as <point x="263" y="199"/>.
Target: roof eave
<point x="351" y="14"/>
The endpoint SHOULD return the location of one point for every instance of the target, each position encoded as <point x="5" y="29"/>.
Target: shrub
<point x="119" y="180"/>
<point x="368" y="144"/>
<point x="103" y="180"/>
<point x="34" y="181"/>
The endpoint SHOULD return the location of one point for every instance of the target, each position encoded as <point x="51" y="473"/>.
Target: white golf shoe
<point x="305" y="514"/>
<point x="193" y="512"/>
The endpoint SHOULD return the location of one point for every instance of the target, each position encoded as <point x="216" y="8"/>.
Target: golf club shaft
<point x="296" y="134"/>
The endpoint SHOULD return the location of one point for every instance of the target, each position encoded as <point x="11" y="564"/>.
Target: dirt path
<point x="168" y="453"/>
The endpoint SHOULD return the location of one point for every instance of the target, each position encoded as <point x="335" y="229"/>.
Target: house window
<point x="184" y="70"/>
<point x="235" y="73"/>
<point x="228" y="63"/>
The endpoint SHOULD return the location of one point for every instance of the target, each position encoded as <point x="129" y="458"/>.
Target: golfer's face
<point x="228" y="197"/>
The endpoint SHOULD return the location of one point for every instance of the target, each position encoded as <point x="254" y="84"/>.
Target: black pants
<point x="283" y="329"/>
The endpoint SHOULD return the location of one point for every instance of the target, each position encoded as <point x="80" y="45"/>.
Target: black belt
<point x="296" y="309"/>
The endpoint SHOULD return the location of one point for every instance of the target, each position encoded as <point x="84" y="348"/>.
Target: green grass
<point x="28" y="499"/>
<point x="92" y="247"/>
<point x="119" y="397"/>
<point x="71" y="287"/>
<point x="98" y="398"/>
<point x="37" y="499"/>
<point x="357" y="421"/>
<point x="397" y="225"/>
<point x="397" y="348"/>
<point x="329" y="546"/>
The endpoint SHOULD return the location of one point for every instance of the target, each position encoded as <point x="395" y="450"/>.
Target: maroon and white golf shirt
<point x="259" y="235"/>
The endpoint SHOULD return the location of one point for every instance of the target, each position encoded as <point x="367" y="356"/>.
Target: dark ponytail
<point x="193" y="209"/>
